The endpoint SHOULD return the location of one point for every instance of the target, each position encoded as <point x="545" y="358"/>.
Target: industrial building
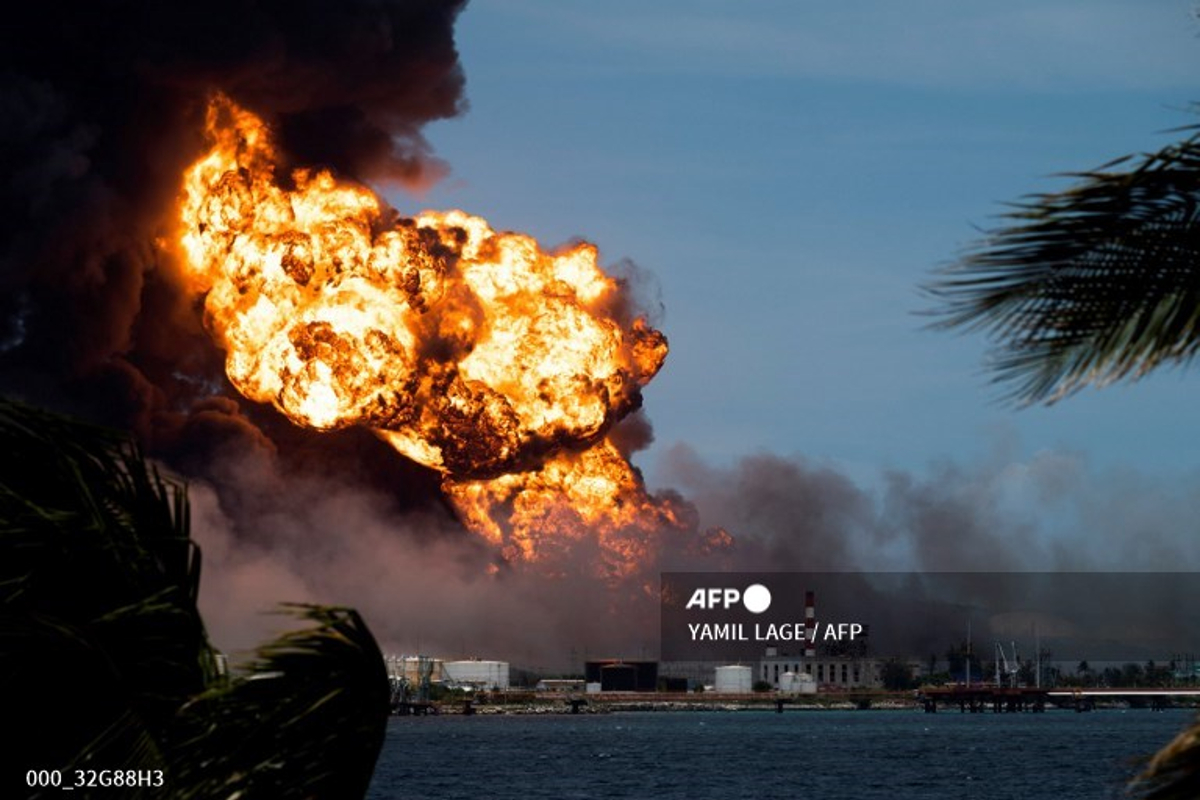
<point x="733" y="679"/>
<point x="686" y="675"/>
<point x="615" y="675"/>
<point x="797" y="683"/>
<point x="813" y="668"/>
<point x="824" y="672"/>
<point x="415" y="669"/>
<point x="563" y="685"/>
<point x="471" y="673"/>
<point x="476" y="674"/>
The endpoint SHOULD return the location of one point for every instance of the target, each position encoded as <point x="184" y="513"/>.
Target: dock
<point x="976" y="698"/>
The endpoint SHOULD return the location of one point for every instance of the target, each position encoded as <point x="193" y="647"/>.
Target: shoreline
<point x="569" y="705"/>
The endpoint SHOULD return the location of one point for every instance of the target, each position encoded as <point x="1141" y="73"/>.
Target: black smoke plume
<point x="101" y="108"/>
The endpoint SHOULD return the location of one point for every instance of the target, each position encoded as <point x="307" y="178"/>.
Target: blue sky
<point x="791" y="172"/>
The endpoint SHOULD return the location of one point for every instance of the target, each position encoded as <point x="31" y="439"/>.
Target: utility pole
<point x="967" y="674"/>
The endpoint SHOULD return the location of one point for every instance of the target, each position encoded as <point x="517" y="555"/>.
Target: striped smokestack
<point x="810" y="624"/>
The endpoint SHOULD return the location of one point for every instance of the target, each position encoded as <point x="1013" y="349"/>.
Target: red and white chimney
<point x="810" y="624"/>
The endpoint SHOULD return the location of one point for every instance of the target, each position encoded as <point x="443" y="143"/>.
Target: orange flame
<point x="470" y="351"/>
<point x="572" y="494"/>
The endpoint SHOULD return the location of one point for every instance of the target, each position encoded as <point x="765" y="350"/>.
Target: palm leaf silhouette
<point x="104" y="660"/>
<point x="1174" y="772"/>
<point x="1088" y="286"/>
<point x="1091" y="285"/>
<point x="308" y="720"/>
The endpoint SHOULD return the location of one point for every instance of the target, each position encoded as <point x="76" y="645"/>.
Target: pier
<point x="980" y="697"/>
<point x="976" y="698"/>
<point x="407" y="708"/>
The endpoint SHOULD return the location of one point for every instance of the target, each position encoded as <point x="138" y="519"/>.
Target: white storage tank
<point x="733" y="680"/>
<point x="482" y="674"/>
<point x="797" y="683"/>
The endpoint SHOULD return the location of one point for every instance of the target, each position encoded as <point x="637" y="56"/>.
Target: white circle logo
<point x="757" y="598"/>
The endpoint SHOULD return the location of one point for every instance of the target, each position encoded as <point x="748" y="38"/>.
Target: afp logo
<point x="756" y="598"/>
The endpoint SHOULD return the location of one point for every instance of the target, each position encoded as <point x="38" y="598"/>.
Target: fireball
<point x="474" y="352"/>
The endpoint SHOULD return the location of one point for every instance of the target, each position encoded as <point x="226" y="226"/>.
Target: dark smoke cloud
<point x="781" y="511"/>
<point x="632" y="434"/>
<point x="101" y="107"/>
<point x="422" y="583"/>
<point x="1002" y="514"/>
<point x="1051" y="513"/>
<point x="427" y="586"/>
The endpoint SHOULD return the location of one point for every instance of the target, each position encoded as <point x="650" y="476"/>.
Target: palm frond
<point x="1174" y="771"/>
<point x="307" y="721"/>
<point x="1091" y="285"/>
<point x="104" y="660"/>
<point x="100" y="638"/>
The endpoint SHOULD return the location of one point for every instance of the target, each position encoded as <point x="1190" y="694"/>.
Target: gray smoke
<point x="426" y="586"/>
<point x="102" y="106"/>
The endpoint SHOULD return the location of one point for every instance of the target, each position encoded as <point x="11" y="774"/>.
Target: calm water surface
<point x="757" y="754"/>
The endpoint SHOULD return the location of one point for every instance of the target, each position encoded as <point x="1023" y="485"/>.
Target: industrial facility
<point x="809" y="671"/>
<point x="825" y="673"/>
<point x="476" y="674"/>
<point x="423" y="671"/>
<point x="733" y="679"/>
<point x="615" y="675"/>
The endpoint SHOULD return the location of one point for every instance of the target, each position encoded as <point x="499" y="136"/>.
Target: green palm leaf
<point x="1091" y="285"/>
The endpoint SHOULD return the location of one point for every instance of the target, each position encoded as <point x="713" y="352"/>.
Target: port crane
<point x="1006" y="671"/>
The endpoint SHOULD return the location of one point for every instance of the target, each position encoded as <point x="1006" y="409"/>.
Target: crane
<point x="1006" y="671"/>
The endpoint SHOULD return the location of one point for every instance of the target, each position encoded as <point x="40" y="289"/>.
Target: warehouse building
<point x="615" y="675"/>
<point x="477" y="674"/>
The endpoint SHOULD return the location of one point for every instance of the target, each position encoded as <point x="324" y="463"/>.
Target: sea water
<point x="694" y="755"/>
